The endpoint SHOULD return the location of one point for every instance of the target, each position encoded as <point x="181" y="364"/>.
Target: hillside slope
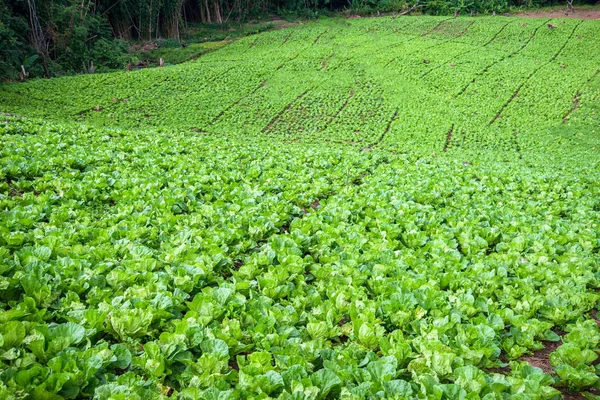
<point x="387" y="208"/>
<point x="427" y="84"/>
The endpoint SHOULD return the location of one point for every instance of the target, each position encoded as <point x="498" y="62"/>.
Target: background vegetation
<point x="58" y="37"/>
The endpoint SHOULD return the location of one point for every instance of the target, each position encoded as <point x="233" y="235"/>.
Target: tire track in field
<point x="235" y="103"/>
<point x="497" y="34"/>
<point x="485" y="69"/>
<point x="304" y="49"/>
<point x="321" y="35"/>
<point x="432" y="46"/>
<point x="280" y="113"/>
<point x="326" y="61"/>
<point x="468" y="51"/>
<point x="470" y="24"/>
<point x="448" y="138"/>
<point x="339" y="111"/>
<point x="573" y="108"/>
<point x="516" y="93"/>
<point x="387" y="129"/>
<point x="435" y="27"/>
<point x="408" y="38"/>
<point x="263" y="83"/>
<point x="577" y="97"/>
<point x="288" y="38"/>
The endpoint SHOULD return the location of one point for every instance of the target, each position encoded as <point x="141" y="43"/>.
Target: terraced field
<point x="405" y="84"/>
<point x="403" y="208"/>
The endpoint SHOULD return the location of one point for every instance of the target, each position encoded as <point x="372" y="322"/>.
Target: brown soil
<point x="541" y="358"/>
<point x="596" y="316"/>
<point x="580" y="13"/>
<point x="571" y="396"/>
<point x="279" y="23"/>
<point x="448" y="138"/>
<point x="575" y="107"/>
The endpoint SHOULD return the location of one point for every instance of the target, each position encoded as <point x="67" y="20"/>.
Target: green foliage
<point x="506" y="84"/>
<point x="296" y="216"/>
<point x="573" y="360"/>
<point x="389" y="6"/>
<point x="79" y="34"/>
<point x="179" y="54"/>
<point x="14" y="48"/>
<point x="77" y="38"/>
<point x="109" y="54"/>
<point x="147" y="262"/>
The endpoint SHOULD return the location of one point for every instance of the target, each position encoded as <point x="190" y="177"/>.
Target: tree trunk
<point x="45" y="64"/>
<point x="208" y="19"/>
<point x="38" y="38"/>
<point x="218" y="13"/>
<point x="150" y="22"/>
<point x="157" y="23"/>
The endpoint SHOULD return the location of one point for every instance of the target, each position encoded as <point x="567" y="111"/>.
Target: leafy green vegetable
<point x="212" y="231"/>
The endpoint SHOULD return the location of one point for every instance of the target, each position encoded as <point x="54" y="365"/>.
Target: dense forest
<point x="57" y="37"/>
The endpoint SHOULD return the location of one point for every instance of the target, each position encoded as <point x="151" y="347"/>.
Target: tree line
<point x="54" y="37"/>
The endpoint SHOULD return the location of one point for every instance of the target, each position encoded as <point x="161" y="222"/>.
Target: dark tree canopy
<point x="53" y="37"/>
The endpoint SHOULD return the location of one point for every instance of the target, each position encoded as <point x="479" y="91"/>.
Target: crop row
<point x="494" y="79"/>
<point x="149" y="264"/>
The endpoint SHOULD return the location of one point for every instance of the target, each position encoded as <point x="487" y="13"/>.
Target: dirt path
<point x="580" y="13"/>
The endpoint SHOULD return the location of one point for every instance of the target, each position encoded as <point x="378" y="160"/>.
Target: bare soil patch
<point x="579" y="13"/>
<point x="541" y="358"/>
<point x="572" y="396"/>
<point x="282" y="24"/>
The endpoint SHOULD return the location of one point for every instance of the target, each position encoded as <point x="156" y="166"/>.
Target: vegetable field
<point x="403" y="208"/>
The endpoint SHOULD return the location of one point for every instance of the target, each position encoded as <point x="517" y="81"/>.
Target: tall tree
<point x="39" y="39"/>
